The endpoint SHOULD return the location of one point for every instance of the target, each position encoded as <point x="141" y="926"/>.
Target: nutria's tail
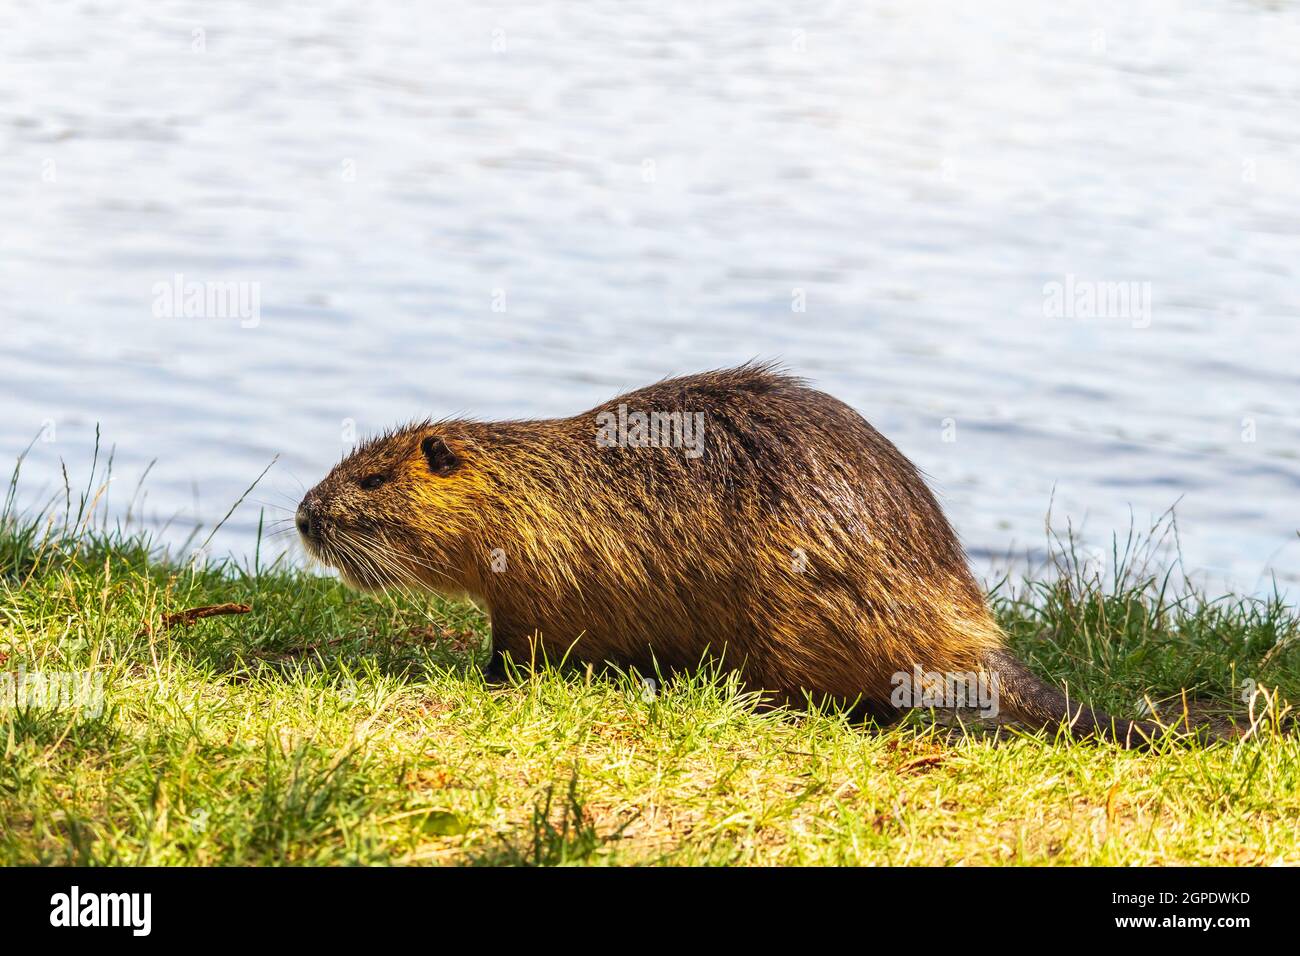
<point x="1041" y="705"/>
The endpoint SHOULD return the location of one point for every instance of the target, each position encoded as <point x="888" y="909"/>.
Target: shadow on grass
<point x="559" y="832"/>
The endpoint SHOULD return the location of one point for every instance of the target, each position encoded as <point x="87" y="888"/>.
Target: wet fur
<point x="802" y="548"/>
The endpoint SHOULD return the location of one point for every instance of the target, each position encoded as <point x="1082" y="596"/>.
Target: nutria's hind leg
<point x="882" y="713"/>
<point x="858" y="710"/>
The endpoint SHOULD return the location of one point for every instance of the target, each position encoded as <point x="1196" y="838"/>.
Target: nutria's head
<point x="397" y="511"/>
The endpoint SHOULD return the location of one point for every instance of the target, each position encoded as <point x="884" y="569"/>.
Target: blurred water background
<point x="520" y="208"/>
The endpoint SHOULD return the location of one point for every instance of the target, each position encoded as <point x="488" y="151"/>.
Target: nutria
<point x="737" y="514"/>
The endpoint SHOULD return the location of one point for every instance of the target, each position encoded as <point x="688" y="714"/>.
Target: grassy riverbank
<point x="329" y="727"/>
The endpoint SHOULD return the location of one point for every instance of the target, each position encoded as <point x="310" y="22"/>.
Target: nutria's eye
<point x="371" y="482"/>
<point x="442" y="460"/>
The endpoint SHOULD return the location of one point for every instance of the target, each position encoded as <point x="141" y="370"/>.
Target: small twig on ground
<point x="190" y="615"/>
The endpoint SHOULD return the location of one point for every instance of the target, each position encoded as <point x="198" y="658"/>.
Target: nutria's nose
<point x="304" y="520"/>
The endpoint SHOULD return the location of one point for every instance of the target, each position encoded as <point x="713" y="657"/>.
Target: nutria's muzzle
<point x="309" y="519"/>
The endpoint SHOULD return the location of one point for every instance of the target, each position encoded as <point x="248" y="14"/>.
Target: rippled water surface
<point x="517" y="209"/>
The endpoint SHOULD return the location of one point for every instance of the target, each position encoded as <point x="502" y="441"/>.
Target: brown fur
<point x="801" y="547"/>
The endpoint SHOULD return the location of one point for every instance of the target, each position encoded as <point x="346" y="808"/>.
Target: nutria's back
<point x="745" y="516"/>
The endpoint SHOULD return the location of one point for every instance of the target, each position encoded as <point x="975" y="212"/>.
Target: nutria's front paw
<point x="495" y="671"/>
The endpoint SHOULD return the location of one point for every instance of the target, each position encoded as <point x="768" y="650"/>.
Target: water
<point x="517" y="209"/>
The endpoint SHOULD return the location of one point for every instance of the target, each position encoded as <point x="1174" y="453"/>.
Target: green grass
<point x="328" y="727"/>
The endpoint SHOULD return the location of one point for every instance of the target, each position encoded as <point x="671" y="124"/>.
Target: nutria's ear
<point x="442" y="460"/>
